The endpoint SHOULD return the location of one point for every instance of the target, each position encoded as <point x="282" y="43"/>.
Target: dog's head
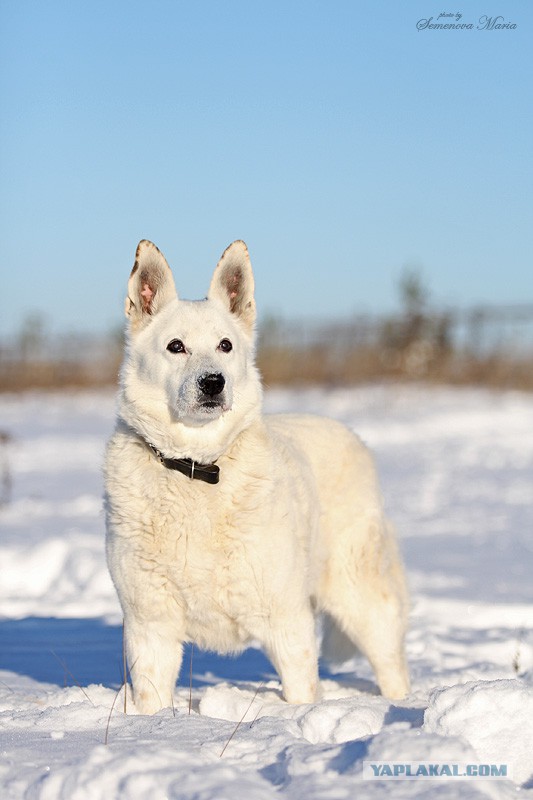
<point x="195" y="358"/>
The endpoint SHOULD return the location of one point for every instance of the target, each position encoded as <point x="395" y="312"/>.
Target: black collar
<point x="209" y="473"/>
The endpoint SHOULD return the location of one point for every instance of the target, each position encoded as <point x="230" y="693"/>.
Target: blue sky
<point x="334" y="137"/>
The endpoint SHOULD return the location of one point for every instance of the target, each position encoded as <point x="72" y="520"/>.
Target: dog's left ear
<point x="233" y="283"/>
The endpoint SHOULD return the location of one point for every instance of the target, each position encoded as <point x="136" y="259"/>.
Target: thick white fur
<point x="294" y="527"/>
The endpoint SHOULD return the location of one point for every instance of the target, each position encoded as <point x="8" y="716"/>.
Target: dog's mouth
<point x="212" y="405"/>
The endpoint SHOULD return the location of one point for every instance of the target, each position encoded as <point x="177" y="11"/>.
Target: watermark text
<point x="429" y="770"/>
<point x="453" y="21"/>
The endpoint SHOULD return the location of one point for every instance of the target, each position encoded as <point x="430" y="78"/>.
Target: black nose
<point x="211" y="384"/>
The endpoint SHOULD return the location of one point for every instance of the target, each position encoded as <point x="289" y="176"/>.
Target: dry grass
<point x="334" y="367"/>
<point x="18" y="376"/>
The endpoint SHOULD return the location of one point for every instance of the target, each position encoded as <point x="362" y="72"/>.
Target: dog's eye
<point x="225" y="345"/>
<point x="176" y="346"/>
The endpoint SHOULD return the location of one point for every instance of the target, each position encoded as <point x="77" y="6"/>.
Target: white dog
<point x="224" y="525"/>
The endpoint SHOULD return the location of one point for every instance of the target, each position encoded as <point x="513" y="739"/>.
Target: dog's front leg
<point x="154" y="651"/>
<point x="291" y="646"/>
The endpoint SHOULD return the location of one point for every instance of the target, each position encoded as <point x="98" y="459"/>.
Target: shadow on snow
<point x="86" y="651"/>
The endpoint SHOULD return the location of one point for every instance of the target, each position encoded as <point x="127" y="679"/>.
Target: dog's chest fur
<point x="208" y="553"/>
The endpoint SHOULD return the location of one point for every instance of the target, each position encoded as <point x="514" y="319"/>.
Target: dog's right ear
<point x="151" y="285"/>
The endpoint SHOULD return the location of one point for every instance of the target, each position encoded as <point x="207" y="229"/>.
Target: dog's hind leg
<point x="154" y="653"/>
<point x="367" y="598"/>
<point x="375" y="626"/>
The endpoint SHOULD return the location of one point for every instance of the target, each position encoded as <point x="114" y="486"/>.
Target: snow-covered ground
<point x="457" y="475"/>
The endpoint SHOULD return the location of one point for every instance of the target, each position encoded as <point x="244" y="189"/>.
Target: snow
<point x="462" y="711"/>
<point x="456" y="467"/>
